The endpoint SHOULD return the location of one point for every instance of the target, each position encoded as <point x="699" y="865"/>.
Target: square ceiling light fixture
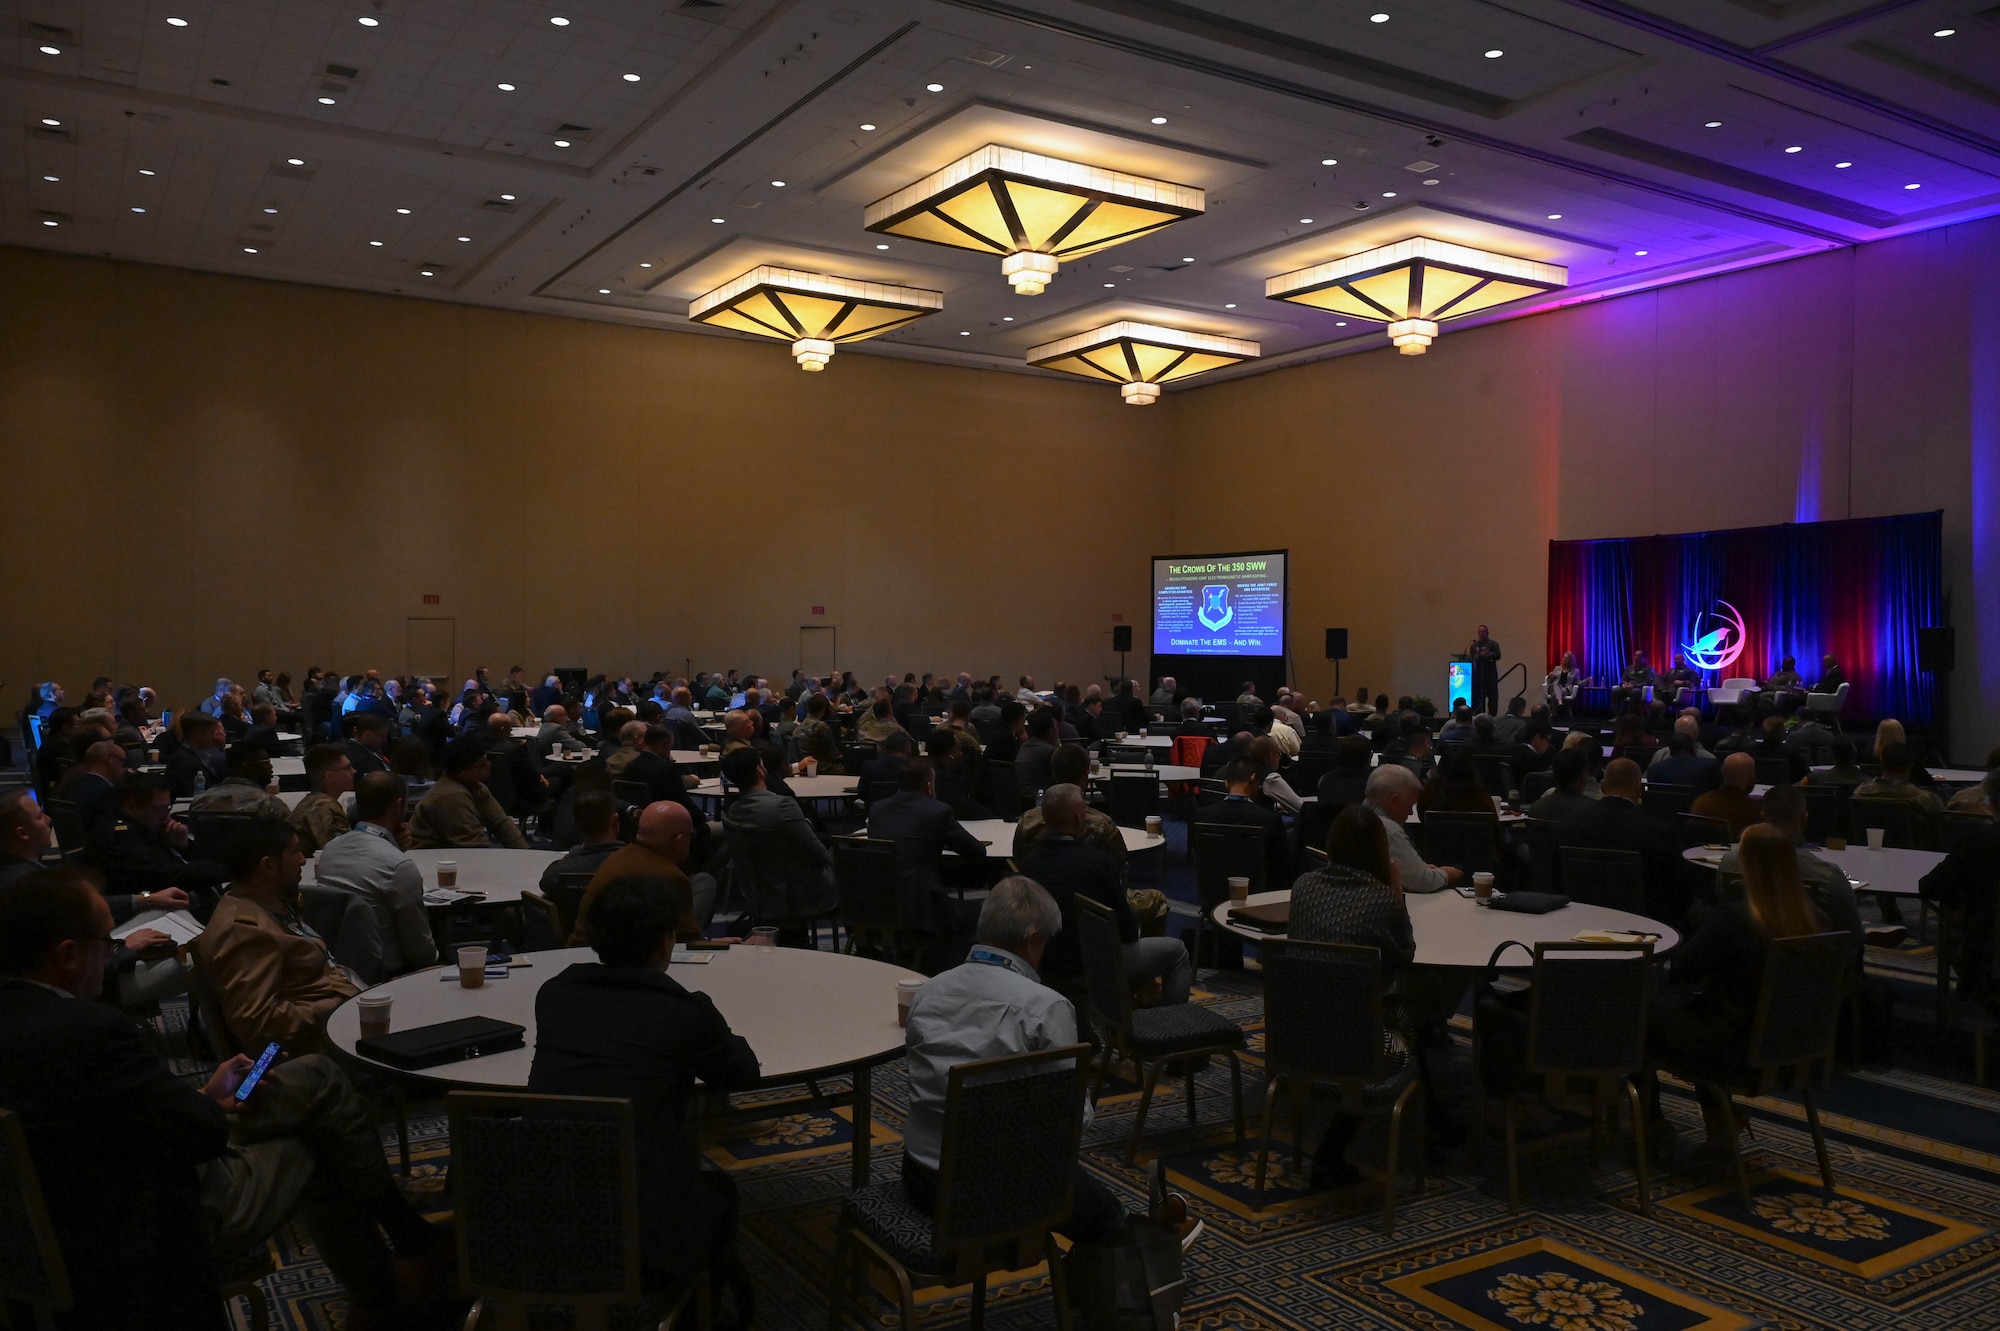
<point x="1414" y="283"/>
<point x="1140" y="357"/>
<point x="1030" y="209"/>
<point x="812" y="311"/>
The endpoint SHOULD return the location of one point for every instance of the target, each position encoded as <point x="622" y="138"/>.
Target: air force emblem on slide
<point x="1216" y="611"/>
<point x="1719" y="647"/>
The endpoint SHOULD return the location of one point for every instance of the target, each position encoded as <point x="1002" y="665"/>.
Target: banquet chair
<point x="1730" y="693"/>
<point x="1495" y="773"/>
<point x="1133" y="798"/>
<point x="72" y="834"/>
<point x="1582" y="1040"/>
<point x="1615" y="879"/>
<point x="1465" y="841"/>
<point x="1003" y="796"/>
<point x="772" y="880"/>
<point x="1664" y="801"/>
<point x="1805" y="981"/>
<point x="1826" y="810"/>
<point x="1223" y="851"/>
<point x="33" y="1274"/>
<point x="542" y="927"/>
<point x="1184" y="1033"/>
<point x="1773" y="769"/>
<point x="1324" y="1028"/>
<point x="547" y="1199"/>
<point x="1903" y="824"/>
<point x="1007" y="1160"/>
<point x="871" y="907"/>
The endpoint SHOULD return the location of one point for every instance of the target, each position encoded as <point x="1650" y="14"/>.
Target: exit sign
<point x="430" y="598"/>
<point x="1118" y="619"/>
<point x="819" y="609"/>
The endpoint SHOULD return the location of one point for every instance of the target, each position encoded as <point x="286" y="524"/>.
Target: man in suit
<point x="595" y="814"/>
<point x="1730" y="800"/>
<point x="652" y="765"/>
<point x="923" y="828"/>
<point x="1831" y="676"/>
<point x="557" y="732"/>
<point x="1484" y="653"/>
<point x="200" y="760"/>
<point x="946" y="747"/>
<point x="149" y="1180"/>
<point x="622" y="1027"/>
<point x="1031" y="764"/>
<point x="758" y="809"/>
<point x="1618" y="822"/>
<point x="143" y="850"/>
<point x="92" y="786"/>
<point x="1571" y="770"/>
<point x="460" y="810"/>
<point x="274" y="978"/>
<point x="1682" y="766"/>
<point x="1068" y="865"/>
<point x="368" y="742"/>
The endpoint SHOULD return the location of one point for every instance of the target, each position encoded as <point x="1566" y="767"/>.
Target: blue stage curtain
<point x="1858" y="590"/>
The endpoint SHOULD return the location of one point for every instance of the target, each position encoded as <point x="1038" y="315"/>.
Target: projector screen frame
<point x="1218" y="677"/>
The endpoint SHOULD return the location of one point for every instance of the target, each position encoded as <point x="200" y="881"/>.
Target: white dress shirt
<point x="1417" y="875"/>
<point x="369" y="863"/>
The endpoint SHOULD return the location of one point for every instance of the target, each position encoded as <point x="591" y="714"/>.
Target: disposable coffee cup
<point x="471" y="967"/>
<point x="153" y="757"/>
<point x="375" y="1013"/>
<point x="1153" y="825"/>
<point x="1239" y="889"/>
<point x="1875" y="837"/>
<point x="1482" y="887"/>
<point x="764" y="935"/>
<point x="447" y="873"/>
<point x="810" y="766"/>
<point x="1121" y="736"/>
<point x="1836" y="843"/>
<point x="906" y="994"/>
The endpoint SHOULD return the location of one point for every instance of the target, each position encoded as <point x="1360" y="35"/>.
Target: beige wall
<point x="1418" y="494"/>
<point x="212" y="474"/>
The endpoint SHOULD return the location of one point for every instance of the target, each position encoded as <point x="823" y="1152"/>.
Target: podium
<point x="1458" y="686"/>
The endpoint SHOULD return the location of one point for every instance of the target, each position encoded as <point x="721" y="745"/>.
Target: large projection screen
<point x="1219" y="605"/>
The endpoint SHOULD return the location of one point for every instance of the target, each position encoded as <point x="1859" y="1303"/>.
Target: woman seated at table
<point x="1356" y="899"/>
<point x="1704" y="1011"/>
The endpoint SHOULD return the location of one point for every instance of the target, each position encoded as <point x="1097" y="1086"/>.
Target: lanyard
<point x="987" y="957"/>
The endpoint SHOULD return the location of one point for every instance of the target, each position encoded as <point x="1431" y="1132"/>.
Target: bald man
<point x="666" y="834"/>
<point x="557" y="732"/>
<point x="1619" y="822"/>
<point x="1731" y="802"/>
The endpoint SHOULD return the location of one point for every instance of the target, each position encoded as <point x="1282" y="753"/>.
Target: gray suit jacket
<point x="766" y="811"/>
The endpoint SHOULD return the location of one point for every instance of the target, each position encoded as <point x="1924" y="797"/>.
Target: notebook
<point x="1274" y="918"/>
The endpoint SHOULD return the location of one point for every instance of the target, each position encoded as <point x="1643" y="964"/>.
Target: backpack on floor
<point x="1134" y="1282"/>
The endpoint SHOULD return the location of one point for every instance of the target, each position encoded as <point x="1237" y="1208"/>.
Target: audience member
<point x="368" y="743"/>
<point x="1618" y="821"/>
<point x="1827" y="884"/>
<point x="145" y="849"/>
<point x="1571" y="769"/>
<point x="368" y="862"/>
<point x="658" y="850"/>
<point x="320" y="816"/>
<point x="1392" y="794"/>
<point x="1244" y="780"/>
<point x="1031" y="763"/>
<point x="199" y="761"/>
<point x="923" y="828"/>
<point x="757" y="808"/>
<point x="1730" y="801"/>
<point x="245" y="788"/>
<point x="1679" y="765"/>
<point x="460" y="810"/>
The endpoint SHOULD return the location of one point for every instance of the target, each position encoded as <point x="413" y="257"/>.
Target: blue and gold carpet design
<point x="1910" y="1237"/>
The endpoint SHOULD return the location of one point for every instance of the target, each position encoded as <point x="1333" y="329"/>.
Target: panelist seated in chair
<point x="1632" y="685"/>
<point x="460" y="810"/>
<point x="151" y="1183"/>
<point x="622" y="1027"/>
<point x="1703" y="1013"/>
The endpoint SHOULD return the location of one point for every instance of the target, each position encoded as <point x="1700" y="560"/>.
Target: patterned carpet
<point x="1907" y="1239"/>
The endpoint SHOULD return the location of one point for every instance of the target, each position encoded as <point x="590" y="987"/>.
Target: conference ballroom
<point x="953" y="664"/>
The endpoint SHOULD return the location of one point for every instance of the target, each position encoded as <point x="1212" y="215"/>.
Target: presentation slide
<point x="1219" y="605"/>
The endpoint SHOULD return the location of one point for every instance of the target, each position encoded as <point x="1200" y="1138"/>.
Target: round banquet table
<point x="288" y="767"/>
<point x="1162" y="771"/>
<point x="1452" y="930"/>
<point x="808" y="1015"/>
<point x="500" y="875"/>
<point x="998" y="834"/>
<point x="1139" y="741"/>
<point x="1896" y="872"/>
<point x="803" y="787"/>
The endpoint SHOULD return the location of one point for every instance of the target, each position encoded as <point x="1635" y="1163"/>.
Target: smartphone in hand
<point x="256" y="1072"/>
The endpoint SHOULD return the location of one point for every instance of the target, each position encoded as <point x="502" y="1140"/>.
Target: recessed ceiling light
<point x="376" y="243"/>
<point x="1944" y="32"/>
<point x="717" y="220"/>
<point x="52" y="179"/>
<point x="142" y="171"/>
<point x="1305" y="221"/>
<point x="1555" y="217"/>
<point x="1329" y="161"/>
<point x="51" y="121"/>
<point x="465" y="240"/>
<point x="777" y="184"/>
<point x="1913" y="187"/>
<point x="1796" y="148"/>
<point x="1188" y="259"/>
<point x="51" y="50"/>
<point x="1843" y="165"/>
<point x="368" y="22"/>
<point x="1341" y="324"/>
<point x="1378" y="18"/>
<point x="1111" y="284"/>
<point x="403" y="212"/>
<point x="326" y="101"/>
<point x="604" y="291"/>
<point x="270" y="210"/>
<point x="138" y="210"/>
<point x="1006" y="318"/>
<point x="249" y="249"/>
<point x="645" y="265"/>
<point x="560" y="22"/>
<point x="1641" y="253"/>
<point x="1388" y="194"/>
<point x="881" y="247"/>
<point x="50" y="221"/>
<point x="1157" y="120"/>
<point x="1494" y="55"/>
<point x="964" y="332"/>
<point x="428" y="273"/>
<point x="295" y="161"/>
<point x="504" y="87"/>
<point x="868" y="128"/>
<point x="177" y="23"/>
<point x="1712" y="124"/>
<point x="562" y="143"/>
<point x="1230" y="306"/>
<point x="933" y="87"/>
<point x="631" y="78"/>
<point x="1430" y="182"/>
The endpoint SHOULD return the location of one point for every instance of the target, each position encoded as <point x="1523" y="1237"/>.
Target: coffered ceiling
<point x="612" y="159"/>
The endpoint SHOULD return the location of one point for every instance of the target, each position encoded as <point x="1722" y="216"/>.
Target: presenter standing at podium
<point x="1485" y="656"/>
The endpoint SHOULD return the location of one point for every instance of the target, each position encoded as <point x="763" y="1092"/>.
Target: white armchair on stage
<point x="1828" y="704"/>
<point x="1732" y="692"/>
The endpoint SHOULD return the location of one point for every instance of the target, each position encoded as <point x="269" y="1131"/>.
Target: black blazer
<point x="1068" y="868"/>
<point x="1613" y="823"/>
<point x="922" y="829"/>
<point x="365" y="759"/>
<point x="634" y="1033"/>
<point x="1031" y="769"/>
<point x="663" y="781"/>
<point x="117" y="1141"/>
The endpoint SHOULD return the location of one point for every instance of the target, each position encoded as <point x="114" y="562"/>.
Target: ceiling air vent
<point x="990" y="59"/>
<point x="343" y="71"/>
<point x="500" y="206"/>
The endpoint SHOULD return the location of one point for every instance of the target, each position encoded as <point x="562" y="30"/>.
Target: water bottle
<point x="200" y="782"/>
<point x="1149" y="760"/>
